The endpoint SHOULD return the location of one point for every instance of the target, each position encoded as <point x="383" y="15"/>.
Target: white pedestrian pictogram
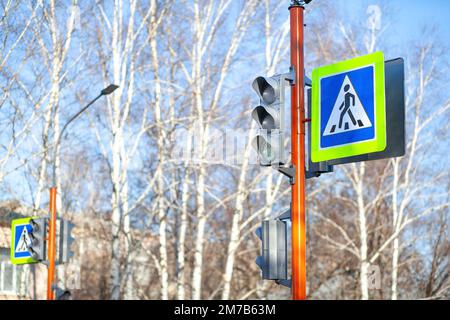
<point x="348" y="112"/>
<point x="24" y="241"/>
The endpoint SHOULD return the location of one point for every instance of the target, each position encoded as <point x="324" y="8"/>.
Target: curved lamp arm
<point x="108" y="90"/>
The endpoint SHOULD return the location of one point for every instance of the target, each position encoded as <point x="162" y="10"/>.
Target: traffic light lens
<point x="266" y="88"/>
<point x="268" y="94"/>
<point x="264" y="118"/>
<point x="265" y="149"/>
<point x="268" y="123"/>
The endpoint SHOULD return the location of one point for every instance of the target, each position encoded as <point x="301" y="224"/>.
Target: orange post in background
<point x="298" y="156"/>
<point x="51" y="245"/>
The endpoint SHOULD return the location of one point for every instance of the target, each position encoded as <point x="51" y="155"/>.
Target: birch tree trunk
<point x="117" y="173"/>
<point x="364" y="264"/>
<point x="59" y="48"/>
<point x="272" y="55"/>
<point x="235" y="226"/>
<point x="125" y="52"/>
<point x="395" y="222"/>
<point x="181" y="274"/>
<point x="116" y="220"/>
<point x="161" y="140"/>
<point x="199" y="33"/>
<point x="402" y="179"/>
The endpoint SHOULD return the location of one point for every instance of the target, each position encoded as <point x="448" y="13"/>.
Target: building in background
<point x="86" y="275"/>
<point x="17" y="281"/>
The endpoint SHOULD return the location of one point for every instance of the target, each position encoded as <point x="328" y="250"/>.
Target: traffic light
<point x="38" y="237"/>
<point x="273" y="261"/>
<point x="269" y="115"/>
<point x="66" y="240"/>
<point x="63" y="294"/>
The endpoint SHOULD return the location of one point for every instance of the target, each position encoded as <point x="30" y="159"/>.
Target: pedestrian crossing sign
<point x="348" y="108"/>
<point x="20" y="241"/>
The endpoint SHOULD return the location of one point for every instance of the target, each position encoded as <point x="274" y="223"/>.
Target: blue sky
<point x="408" y="17"/>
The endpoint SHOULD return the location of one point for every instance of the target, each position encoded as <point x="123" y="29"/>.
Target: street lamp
<point x="108" y="90"/>
<point x="52" y="225"/>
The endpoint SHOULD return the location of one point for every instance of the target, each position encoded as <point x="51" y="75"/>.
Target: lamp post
<point x="53" y="192"/>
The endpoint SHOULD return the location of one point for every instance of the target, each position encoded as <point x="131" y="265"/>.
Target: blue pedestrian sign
<point x="348" y="108"/>
<point x="20" y="241"/>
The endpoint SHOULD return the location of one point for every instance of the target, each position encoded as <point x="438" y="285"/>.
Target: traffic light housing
<point x="66" y="241"/>
<point x="273" y="261"/>
<point x="62" y="294"/>
<point x="269" y="115"/>
<point x="38" y="235"/>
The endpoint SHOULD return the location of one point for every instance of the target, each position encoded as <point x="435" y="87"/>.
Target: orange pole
<point x="51" y="245"/>
<point x="298" y="156"/>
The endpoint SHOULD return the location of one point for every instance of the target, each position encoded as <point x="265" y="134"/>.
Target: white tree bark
<point x="235" y="226"/>
<point x="395" y="221"/>
<point x="181" y="294"/>
<point x="118" y="174"/>
<point x="124" y="35"/>
<point x="402" y="179"/>
<point x="364" y="264"/>
<point x="272" y="59"/>
<point x="203" y="40"/>
<point x="58" y="47"/>
<point x="161" y="141"/>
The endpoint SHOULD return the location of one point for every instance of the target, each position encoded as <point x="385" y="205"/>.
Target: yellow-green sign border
<point x="15" y="223"/>
<point x="379" y="142"/>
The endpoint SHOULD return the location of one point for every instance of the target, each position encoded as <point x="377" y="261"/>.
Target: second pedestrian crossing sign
<point x="20" y="241"/>
<point x="348" y="115"/>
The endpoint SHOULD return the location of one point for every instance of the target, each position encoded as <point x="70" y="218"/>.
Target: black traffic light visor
<point x="266" y="117"/>
<point x="266" y="88"/>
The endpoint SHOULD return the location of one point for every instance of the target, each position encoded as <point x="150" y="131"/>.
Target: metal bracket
<point x="284" y="282"/>
<point x="312" y="174"/>
<point x="299" y="3"/>
<point x="286" y="215"/>
<point x="288" y="172"/>
<point x="307" y="81"/>
<point x="290" y="76"/>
